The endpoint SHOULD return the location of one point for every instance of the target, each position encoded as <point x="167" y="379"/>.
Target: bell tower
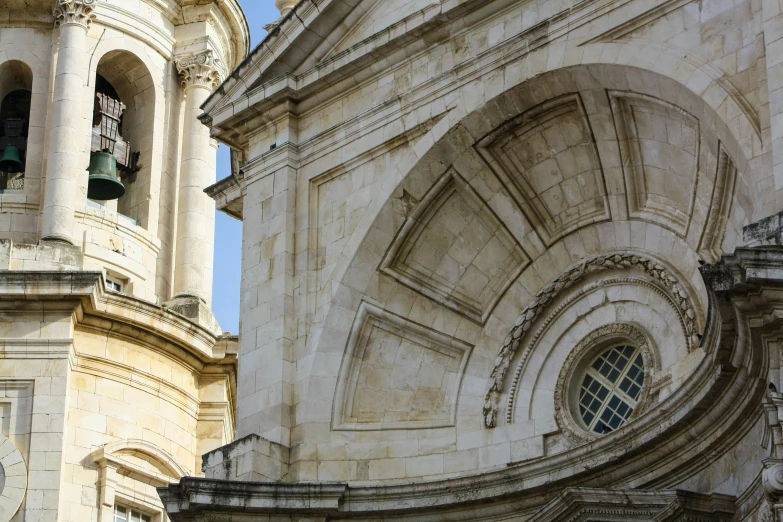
<point x="117" y="378"/>
<point x="114" y="164"/>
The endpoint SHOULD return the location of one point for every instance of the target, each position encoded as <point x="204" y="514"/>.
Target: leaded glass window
<point x="611" y="387"/>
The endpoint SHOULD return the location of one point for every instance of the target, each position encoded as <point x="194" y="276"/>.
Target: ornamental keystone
<point x="74" y="12"/>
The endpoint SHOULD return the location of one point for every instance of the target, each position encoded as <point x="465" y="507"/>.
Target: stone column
<point x="196" y="210"/>
<point x="64" y="162"/>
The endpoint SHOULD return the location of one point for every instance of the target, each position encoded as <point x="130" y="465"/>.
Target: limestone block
<point x="251" y="458"/>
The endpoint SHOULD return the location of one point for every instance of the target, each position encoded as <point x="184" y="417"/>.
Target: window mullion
<point x="595" y="374"/>
<point x="623" y="375"/>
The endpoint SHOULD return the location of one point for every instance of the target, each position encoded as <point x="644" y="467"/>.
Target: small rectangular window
<point x="125" y="514"/>
<point x="113" y="284"/>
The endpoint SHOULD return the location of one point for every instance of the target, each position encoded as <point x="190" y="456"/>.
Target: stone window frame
<point x="111" y="464"/>
<point x="144" y="517"/>
<point x="583" y="354"/>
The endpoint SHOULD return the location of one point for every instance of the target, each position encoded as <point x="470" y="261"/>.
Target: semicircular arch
<point x="139" y="80"/>
<point x="146" y="451"/>
<point x="452" y="147"/>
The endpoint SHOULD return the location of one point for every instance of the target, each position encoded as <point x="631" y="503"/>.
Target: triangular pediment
<point x="369" y="19"/>
<point x="290" y="41"/>
<point x="316" y="40"/>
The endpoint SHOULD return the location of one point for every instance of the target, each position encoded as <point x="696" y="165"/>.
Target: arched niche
<point x="15" y="75"/>
<point x="130" y="79"/>
<point x="16" y="85"/>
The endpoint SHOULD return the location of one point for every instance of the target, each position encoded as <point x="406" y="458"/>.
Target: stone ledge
<point x="86" y="290"/>
<point x="197" y="494"/>
<point x="196" y="310"/>
<point x="249" y="459"/>
<point x="746" y="266"/>
<point x="766" y="231"/>
<point x="227" y="194"/>
<point x="43" y="256"/>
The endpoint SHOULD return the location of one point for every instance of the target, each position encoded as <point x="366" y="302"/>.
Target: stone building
<point x="505" y="260"/>
<point x="114" y="375"/>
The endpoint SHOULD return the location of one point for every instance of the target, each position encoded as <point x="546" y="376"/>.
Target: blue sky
<point x="228" y="231"/>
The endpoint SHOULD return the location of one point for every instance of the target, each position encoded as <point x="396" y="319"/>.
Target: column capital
<point x="74" y="12"/>
<point x="201" y="69"/>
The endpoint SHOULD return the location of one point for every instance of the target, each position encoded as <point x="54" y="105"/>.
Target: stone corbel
<point x="772" y="477"/>
<point x="201" y="69"/>
<point x="771" y="509"/>
<point x="74" y="12"/>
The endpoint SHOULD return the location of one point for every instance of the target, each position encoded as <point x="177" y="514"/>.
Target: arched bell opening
<point x="122" y="130"/>
<point x="16" y="80"/>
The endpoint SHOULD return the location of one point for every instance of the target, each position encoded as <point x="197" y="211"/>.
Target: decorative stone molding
<point x="202" y="69"/>
<point x="577" y="504"/>
<point x="680" y="156"/>
<point x="565" y="420"/>
<point x="524" y="358"/>
<point x="591" y="265"/>
<point x="563" y="115"/>
<point x="711" y="242"/>
<point x="15" y="485"/>
<point x="766" y="511"/>
<point x="112" y="461"/>
<point x="74" y="12"/>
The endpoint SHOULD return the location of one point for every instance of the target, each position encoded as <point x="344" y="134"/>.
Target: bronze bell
<point x="104" y="184"/>
<point x="11" y="162"/>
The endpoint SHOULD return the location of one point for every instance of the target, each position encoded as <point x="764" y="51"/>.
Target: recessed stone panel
<point x="659" y="144"/>
<point x="548" y="159"/>
<point x="723" y="190"/>
<point x="398" y="374"/>
<point x="455" y="250"/>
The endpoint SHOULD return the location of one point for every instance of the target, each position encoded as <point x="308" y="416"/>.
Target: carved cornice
<point x="201" y="69"/>
<point x="95" y="307"/>
<point x="74" y="12"/>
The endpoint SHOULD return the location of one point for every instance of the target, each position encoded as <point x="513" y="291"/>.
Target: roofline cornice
<point x="157" y="324"/>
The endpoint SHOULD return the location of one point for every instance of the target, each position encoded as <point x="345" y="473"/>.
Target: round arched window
<point x="611" y="388"/>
